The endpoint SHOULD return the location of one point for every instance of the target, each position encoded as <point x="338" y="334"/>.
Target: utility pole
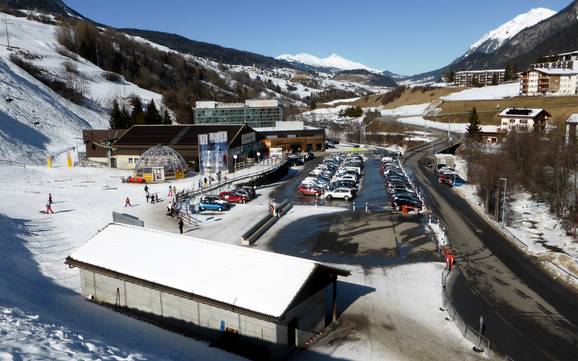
<point x="7" y="34"/>
<point x="504" y="201"/>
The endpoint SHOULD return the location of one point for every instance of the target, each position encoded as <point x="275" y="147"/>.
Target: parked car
<point x="309" y="190"/>
<point x="250" y="190"/>
<point x="212" y="206"/>
<point x="215" y="199"/>
<point x="411" y="203"/>
<point x="233" y="197"/>
<point x="340" y="193"/>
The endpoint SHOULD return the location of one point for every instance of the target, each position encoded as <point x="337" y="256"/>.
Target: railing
<point x="467" y="331"/>
<point x="264" y="167"/>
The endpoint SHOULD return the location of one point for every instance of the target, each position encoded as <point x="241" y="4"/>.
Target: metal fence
<point x="467" y="331"/>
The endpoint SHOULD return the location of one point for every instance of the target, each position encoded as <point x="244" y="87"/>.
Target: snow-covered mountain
<point x="333" y="61"/>
<point x="494" y="39"/>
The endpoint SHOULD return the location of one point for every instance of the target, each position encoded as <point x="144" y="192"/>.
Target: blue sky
<point x="403" y="36"/>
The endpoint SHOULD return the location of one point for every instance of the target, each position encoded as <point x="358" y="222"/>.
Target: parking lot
<point x="371" y="190"/>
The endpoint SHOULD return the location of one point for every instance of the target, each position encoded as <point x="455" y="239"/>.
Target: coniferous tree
<point x="126" y="120"/>
<point x="115" y="116"/>
<point x="152" y="115"/>
<point x="511" y="72"/>
<point x="166" y="118"/>
<point x="137" y="115"/>
<point x="473" y="129"/>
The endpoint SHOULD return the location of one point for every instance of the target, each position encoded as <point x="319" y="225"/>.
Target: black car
<point x="407" y="202"/>
<point x="295" y="160"/>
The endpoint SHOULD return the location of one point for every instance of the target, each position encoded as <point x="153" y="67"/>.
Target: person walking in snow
<point x="127" y="203"/>
<point x="170" y="191"/>
<point x="148" y="196"/>
<point x="49" y="208"/>
<point x="50" y="198"/>
<point x="146" y="189"/>
<point x="181" y="224"/>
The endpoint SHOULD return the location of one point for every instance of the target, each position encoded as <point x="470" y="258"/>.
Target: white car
<point x="340" y="193"/>
<point x="349" y="177"/>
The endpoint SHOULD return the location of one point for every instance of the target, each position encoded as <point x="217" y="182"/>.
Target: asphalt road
<point x="527" y="315"/>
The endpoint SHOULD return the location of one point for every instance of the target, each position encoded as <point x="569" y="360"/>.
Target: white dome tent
<point x="160" y="163"/>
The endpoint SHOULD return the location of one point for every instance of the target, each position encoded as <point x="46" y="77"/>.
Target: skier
<point x="49" y="208"/>
<point x="181" y="225"/>
<point x="127" y="202"/>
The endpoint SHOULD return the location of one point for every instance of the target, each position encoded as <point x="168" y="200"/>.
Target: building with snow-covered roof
<point x="208" y="288"/>
<point x="255" y="113"/>
<point x="548" y="81"/>
<point x="523" y="120"/>
<point x="479" y="77"/>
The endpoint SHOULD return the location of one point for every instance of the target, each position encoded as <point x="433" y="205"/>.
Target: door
<point x="113" y="162"/>
<point x="292" y="333"/>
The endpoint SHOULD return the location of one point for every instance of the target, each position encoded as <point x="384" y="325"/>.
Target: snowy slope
<point x="38" y="121"/>
<point x="493" y="40"/>
<point x="333" y="61"/>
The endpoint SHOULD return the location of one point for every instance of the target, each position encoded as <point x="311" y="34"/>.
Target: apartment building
<point x="548" y="81"/>
<point x="254" y="113"/>
<point x="479" y="77"/>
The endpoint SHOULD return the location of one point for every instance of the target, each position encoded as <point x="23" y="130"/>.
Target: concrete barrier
<point x="264" y="224"/>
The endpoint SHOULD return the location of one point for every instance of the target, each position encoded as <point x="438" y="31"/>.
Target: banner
<point x="213" y="152"/>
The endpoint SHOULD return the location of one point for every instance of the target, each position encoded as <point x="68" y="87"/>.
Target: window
<point x="318" y="146"/>
<point x="523" y="121"/>
<point x="129" y="160"/>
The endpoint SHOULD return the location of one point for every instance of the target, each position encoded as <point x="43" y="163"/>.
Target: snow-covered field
<point x="532" y="223"/>
<point x="486" y="93"/>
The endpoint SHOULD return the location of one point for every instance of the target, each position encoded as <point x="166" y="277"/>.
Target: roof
<point x="177" y="134"/>
<point x="573" y="119"/>
<point x="522" y="112"/>
<point x="482" y="71"/>
<point x="255" y="103"/>
<point x="246" y="278"/>
<point x="91" y="135"/>
<point x="553" y="71"/>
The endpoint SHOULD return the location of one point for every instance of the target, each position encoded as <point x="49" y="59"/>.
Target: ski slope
<point x="39" y="122"/>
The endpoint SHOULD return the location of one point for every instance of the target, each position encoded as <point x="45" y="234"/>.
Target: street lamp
<point x="235" y="162"/>
<point x="504" y="201"/>
<point x="258" y="157"/>
<point x="365" y="127"/>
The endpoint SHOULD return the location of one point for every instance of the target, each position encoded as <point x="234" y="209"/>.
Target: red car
<point x="233" y="197"/>
<point x="308" y="190"/>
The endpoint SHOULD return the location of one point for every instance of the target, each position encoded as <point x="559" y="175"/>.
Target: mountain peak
<point x="333" y="61"/>
<point x="493" y="40"/>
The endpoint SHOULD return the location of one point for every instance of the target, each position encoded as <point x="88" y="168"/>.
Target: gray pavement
<point x="528" y="315"/>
